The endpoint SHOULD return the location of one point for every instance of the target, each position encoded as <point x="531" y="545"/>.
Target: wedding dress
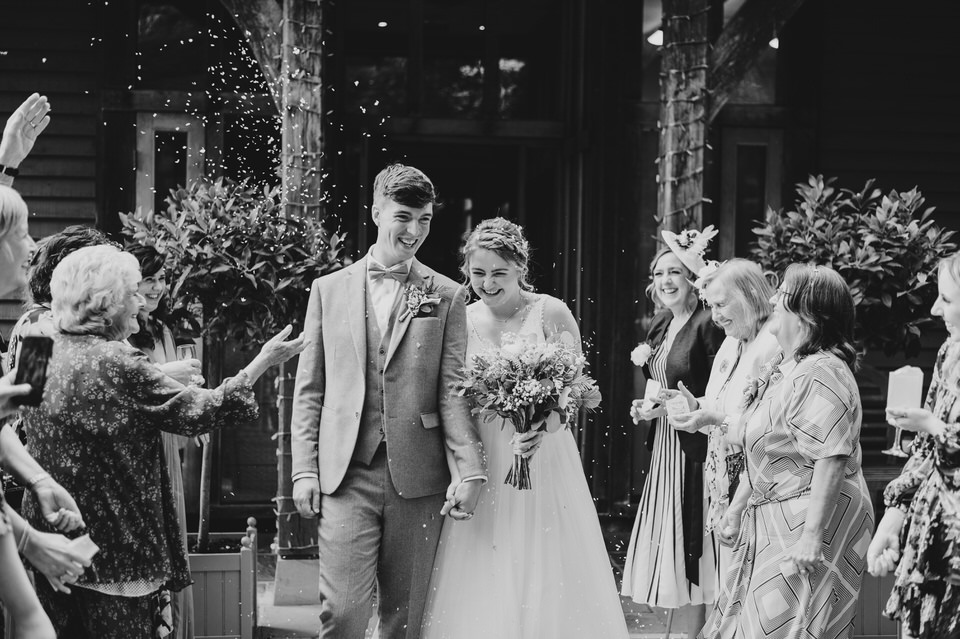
<point x="531" y="564"/>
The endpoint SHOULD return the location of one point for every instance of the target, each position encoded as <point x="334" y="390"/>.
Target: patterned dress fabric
<point x="804" y="412"/>
<point x="531" y="564"/>
<point x="926" y="597"/>
<point x="654" y="572"/>
<point x="98" y="433"/>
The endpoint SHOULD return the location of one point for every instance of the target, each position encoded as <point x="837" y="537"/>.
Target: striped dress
<point x="654" y="571"/>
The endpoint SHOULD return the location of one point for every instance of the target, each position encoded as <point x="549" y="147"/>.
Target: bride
<point x="532" y="564"/>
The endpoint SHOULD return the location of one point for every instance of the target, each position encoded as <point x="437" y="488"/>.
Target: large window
<point x="452" y="58"/>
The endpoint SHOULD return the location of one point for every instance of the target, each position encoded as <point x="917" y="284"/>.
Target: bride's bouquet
<point x="533" y="385"/>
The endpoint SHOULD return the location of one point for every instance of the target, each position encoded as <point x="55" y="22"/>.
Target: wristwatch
<point x="9" y="170"/>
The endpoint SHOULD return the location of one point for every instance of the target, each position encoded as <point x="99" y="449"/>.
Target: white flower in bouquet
<point x="641" y="354"/>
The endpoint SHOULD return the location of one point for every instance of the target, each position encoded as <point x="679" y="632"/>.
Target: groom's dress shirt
<point x="384" y="285"/>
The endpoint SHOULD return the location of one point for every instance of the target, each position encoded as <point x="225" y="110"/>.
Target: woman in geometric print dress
<point x="669" y="562"/>
<point x="923" y="503"/>
<point x="802" y="517"/>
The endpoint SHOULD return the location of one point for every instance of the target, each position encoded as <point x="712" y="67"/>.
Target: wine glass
<point x="186" y="351"/>
<point x="896" y="449"/>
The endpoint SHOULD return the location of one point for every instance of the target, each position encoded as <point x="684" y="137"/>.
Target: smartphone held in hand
<point x="32" y="363"/>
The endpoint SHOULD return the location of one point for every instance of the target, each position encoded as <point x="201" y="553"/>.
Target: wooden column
<point x="287" y="42"/>
<point x="683" y="112"/>
<point x="302" y="126"/>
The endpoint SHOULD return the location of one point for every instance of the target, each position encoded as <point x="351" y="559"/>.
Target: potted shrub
<point x="885" y="246"/>
<point x="236" y="263"/>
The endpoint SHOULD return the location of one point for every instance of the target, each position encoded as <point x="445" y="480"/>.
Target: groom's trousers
<point x="369" y="533"/>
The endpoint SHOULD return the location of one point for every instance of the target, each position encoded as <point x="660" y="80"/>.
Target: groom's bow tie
<point x="397" y="272"/>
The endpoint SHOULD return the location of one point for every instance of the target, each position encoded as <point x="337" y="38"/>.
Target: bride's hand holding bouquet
<point x="537" y="386"/>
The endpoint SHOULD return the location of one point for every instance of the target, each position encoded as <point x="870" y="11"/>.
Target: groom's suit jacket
<point x="421" y="415"/>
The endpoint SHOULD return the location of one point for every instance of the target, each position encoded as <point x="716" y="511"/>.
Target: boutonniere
<point x="419" y="300"/>
<point x="769" y="375"/>
<point x="641" y="354"/>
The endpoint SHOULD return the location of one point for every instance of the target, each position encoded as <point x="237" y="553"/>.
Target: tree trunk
<point x="213" y="361"/>
<point x="683" y="112"/>
<point x="292" y="62"/>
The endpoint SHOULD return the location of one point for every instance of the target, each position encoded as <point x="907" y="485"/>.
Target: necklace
<point x="512" y="315"/>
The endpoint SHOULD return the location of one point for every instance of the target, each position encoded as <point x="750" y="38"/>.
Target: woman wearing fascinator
<point x="669" y="562"/>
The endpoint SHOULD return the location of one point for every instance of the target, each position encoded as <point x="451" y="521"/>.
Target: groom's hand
<point x="465" y="499"/>
<point x="306" y="496"/>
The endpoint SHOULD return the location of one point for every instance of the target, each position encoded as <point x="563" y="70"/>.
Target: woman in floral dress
<point x="98" y="433"/>
<point x="923" y="504"/>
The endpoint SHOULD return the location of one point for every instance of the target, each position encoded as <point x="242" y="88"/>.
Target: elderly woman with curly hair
<point x="98" y="432"/>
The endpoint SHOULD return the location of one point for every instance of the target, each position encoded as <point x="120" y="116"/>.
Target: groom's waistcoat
<point x="371" y="416"/>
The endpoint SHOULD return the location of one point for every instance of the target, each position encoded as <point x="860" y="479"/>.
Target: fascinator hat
<point x="689" y="247"/>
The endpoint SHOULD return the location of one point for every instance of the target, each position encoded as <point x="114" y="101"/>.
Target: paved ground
<point x="289" y="622"/>
<point x="300" y="622"/>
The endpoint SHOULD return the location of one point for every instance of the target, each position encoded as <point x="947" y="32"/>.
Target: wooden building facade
<point x="544" y="111"/>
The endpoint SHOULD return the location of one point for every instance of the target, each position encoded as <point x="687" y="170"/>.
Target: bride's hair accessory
<point x="504" y="238"/>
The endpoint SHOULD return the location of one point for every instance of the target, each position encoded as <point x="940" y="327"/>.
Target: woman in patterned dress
<point x="155" y="339"/>
<point x="97" y="432"/>
<point x="923" y="503"/>
<point x="801" y="519"/>
<point x="669" y="562"/>
<point x="738" y="295"/>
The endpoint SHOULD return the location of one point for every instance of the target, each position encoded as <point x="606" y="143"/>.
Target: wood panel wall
<point x="53" y="47"/>
<point x="887" y="108"/>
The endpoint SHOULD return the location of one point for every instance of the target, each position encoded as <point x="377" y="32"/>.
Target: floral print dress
<point x="98" y="433"/>
<point x="926" y="596"/>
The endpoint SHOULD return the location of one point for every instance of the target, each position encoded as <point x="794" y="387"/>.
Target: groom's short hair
<point x="404" y="185"/>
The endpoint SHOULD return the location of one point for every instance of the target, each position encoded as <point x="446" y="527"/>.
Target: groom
<point x="374" y="420"/>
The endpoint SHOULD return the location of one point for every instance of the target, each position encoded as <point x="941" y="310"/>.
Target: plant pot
<point x="225" y="588"/>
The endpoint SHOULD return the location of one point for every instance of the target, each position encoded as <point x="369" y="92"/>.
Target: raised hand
<point x="22" y="129"/>
<point x="276" y="351"/>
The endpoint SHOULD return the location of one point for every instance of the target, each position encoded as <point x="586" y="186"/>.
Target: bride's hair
<point x="504" y="238"/>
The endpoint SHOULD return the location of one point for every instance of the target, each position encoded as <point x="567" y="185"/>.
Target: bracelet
<point x="9" y="170"/>
<point x="36" y="479"/>
<point x="24" y="538"/>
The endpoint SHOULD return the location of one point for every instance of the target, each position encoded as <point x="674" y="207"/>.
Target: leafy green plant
<point x="232" y="252"/>
<point x="885" y="246"/>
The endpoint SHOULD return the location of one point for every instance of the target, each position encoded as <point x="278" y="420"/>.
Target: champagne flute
<point x="189" y="351"/>
<point x="904" y="390"/>
<point x="186" y="351"/>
